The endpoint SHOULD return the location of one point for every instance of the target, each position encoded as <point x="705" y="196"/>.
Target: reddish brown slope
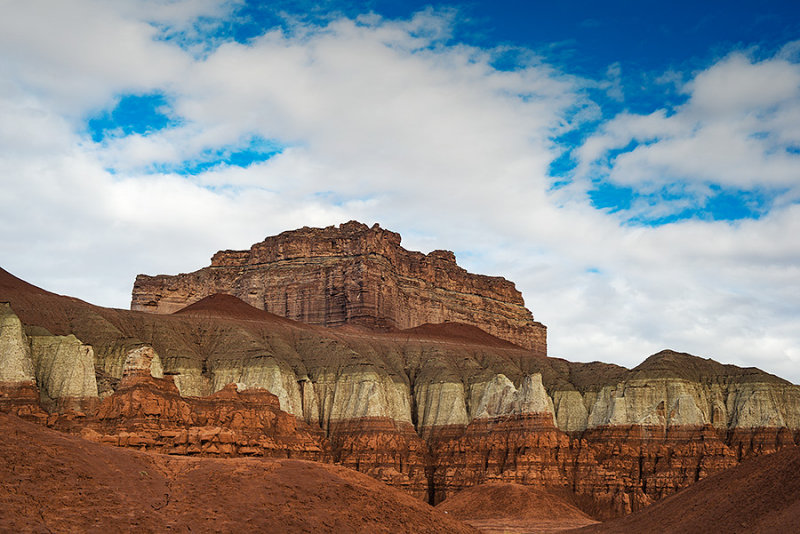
<point x="514" y="508"/>
<point x="50" y="482"/>
<point x="228" y="306"/>
<point x="466" y="333"/>
<point x="761" y="495"/>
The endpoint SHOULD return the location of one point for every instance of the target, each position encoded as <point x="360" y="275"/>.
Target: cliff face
<point x="431" y="410"/>
<point x="18" y="392"/>
<point x="350" y="274"/>
<point x="54" y="372"/>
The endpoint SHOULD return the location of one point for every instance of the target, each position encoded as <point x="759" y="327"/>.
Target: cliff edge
<point x="350" y="274"/>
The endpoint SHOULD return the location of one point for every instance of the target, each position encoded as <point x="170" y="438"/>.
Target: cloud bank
<point x="316" y="123"/>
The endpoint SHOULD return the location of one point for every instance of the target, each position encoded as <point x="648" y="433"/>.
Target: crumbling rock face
<point x="16" y="365"/>
<point x="646" y="463"/>
<point x="431" y="409"/>
<point x="141" y="362"/>
<point x="350" y="274"/>
<point x="500" y="397"/>
<point x="440" y="405"/>
<point x="522" y="448"/>
<point x="53" y="372"/>
<point x="385" y="449"/>
<point x="65" y="373"/>
<point x="359" y="392"/>
<point x="148" y="412"/>
<point x="262" y="372"/>
<point x="674" y="402"/>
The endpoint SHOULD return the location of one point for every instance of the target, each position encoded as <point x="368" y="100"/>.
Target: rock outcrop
<point x="16" y="365"/>
<point x="147" y="412"/>
<point x="350" y="274"/>
<point x="433" y="409"/>
<point x="724" y="397"/>
<point x="65" y="373"/>
<point x="18" y="391"/>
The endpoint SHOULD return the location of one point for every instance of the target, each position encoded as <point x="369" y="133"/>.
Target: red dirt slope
<point x="514" y="508"/>
<point x="460" y="332"/>
<point x="760" y="495"/>
<point x="51" y="482"/>
<point x="228" y="306"/>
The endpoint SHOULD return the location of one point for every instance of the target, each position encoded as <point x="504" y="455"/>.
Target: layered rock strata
<point x="350" y="274"/>
<point x="64" y="372"/>
<point x="43" y="371"/>
<point x="148" y="413"/>
<point x="431" y="410"/>
<point x="18" y="391"/>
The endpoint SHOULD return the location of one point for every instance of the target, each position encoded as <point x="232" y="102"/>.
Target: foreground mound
<point x="760" y="495"/>
<point x="58" y="483"/>
<point x="502" y="507"/>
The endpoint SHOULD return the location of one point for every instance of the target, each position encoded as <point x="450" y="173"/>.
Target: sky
<point x="634" y="167"/>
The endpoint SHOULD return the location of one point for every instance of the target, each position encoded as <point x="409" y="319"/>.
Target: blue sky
<point x="632" y="166"/>
<point x="639" y="52"/>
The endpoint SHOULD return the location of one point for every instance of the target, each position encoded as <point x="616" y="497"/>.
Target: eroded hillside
<point x="431" y="410"/>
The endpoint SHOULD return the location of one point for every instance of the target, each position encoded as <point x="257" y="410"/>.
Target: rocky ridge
<point x="350" y="274"/>
<point x="421" y="410"/>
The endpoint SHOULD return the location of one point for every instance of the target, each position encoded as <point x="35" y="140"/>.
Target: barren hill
<point x="52" y="482"/>
<point x="431" y="411"/>
<point x="508" y="507"/>
<point x="761" y="495"/>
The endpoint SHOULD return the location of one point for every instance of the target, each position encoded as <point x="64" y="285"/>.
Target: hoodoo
<point x="350" y="274"/>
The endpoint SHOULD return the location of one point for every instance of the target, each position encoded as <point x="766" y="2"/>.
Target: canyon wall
<point x="350" y="274"/>
<point x="428" y="410"/>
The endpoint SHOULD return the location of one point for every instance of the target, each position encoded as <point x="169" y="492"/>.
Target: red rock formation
<point x="149" y="414"/>
<point x="443" y="379"/>
<point x="647" y="463"/>
<point x="761" y="496"/>
<point x="351" y="274"/>
<point x="22" y="400"/>
<point x="384" y="449"/>
<point x="612" y="471"/>
<point x="52" y="482"/>
<point x="524" y="449"/>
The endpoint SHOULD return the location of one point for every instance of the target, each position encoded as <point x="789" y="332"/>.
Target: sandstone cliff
<point x="16" y="365"/>
<point x="431" y="410"/>
<point x="18" y="392"/>
<point x="64" y="372"/>
<point x="350" y="274"/>
<point x="56" y="372"/>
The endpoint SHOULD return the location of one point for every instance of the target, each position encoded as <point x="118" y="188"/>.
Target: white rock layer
<point x="16" y="364"/>
<point x="64" y="368"/>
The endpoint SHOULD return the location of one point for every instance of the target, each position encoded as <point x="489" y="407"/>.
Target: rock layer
<point x="351" y="274"/>
<point x="65" y="373"/>
<point x="16" y="365"/>
<point x="431" y="409"/>
<point x="147" y="412"/>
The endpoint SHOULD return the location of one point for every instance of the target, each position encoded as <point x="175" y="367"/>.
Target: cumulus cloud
<point x="738" y="130"/>
<point x="392" y="121"/>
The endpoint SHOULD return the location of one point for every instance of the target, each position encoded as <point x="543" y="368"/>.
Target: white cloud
<point x="738" y="130"/>
<point x="389" y="121"/>
<point x="736" y="86"/>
